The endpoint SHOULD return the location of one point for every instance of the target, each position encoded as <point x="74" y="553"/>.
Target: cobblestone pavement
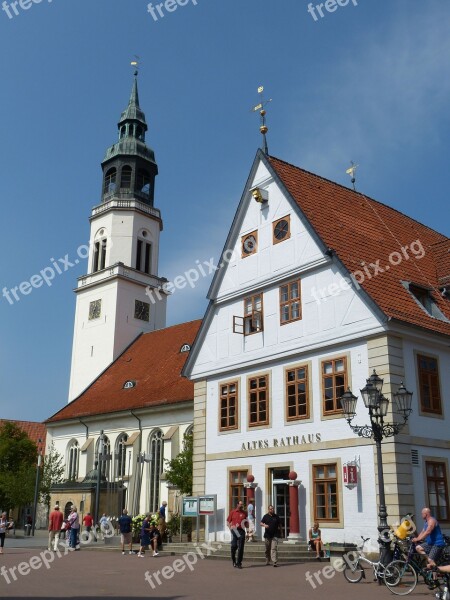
<point x="90" y="574"/>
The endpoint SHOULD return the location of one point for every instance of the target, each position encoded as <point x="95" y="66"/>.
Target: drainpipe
<point x="87" y="427"/>
<point x="137" y="492"/>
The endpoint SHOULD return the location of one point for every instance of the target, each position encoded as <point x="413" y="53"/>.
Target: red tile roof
<point x="361" y="231"/>
<point x="154" y="362"/>
<point x="35" y="431"/>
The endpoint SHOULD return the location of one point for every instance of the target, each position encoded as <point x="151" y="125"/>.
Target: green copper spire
<point x="133" y="111"/>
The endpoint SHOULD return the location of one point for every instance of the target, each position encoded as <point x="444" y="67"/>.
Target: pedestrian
<point x="432" y="535"/>
<point x="4" y="526"/>
<point x="162" y="518"/>
<point x="55" y="522"/>
<point x="87" y="522"/>
<point x="74" y="522"/>
<point x="104" y="525"/>
<point x="237" y="523"/>
<point x="125" y="525"/>
<point x="315" y="539"/>
<point x="149" y="537"/>
<point x="272" y="525"/>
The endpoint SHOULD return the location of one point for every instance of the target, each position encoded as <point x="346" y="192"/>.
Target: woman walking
<point x="4" y="526"/>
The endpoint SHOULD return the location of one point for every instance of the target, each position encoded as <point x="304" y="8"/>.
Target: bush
<point x="174" y="525"/>
<point x="138" y="520"/>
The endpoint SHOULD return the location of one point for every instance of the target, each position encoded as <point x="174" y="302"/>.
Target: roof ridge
<point x="171" y="326"/>
<point x="360" y="194"/>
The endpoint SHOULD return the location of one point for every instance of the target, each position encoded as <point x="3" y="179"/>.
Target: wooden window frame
<point x="290" y="301"/>
<point x="436" y="402"/>
<point x="297" y="417"/>
<point x="287" y="236"/>
<point x="242" y="492"/>
<point x="228" y="427"/>
<point x="255" y="249"/>
<point x="429" y="479"/>
<point x="326" y="480"/>
<point x="257" y="390"/>
<point x="335" y="411"/>
<point x="250" y="317"/>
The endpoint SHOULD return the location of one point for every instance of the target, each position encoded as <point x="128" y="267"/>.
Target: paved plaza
<point x="103" y="573"/>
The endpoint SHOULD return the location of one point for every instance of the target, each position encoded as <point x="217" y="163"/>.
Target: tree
<point x="179" y="469"/>
<point x="17" y="466"/>
<point x="52" y="473"/>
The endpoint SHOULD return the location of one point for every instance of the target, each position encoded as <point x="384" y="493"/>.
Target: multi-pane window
<point x="156" y="451"/>
<point x="258" y="400"/>
<point x="253" y="314"/>
<point x="430" y="396"/>
<point x="281" y="230"/>
<point x="297" y="393"/>
<point x="237" y="489"/>
<point x="125" y="179"/>
<point x="437" y="489"/>
<point x="334" y="383"/>
<point x="290" y="302"/>
<point x="121" y="454"/>
<point x="228" y="406"/>
<point x="325" y="487"/>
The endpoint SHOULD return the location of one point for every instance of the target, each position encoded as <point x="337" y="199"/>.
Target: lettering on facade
<point x="293" y="440"/>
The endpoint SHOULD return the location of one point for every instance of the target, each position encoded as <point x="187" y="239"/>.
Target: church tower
<point x="114" y="300"/>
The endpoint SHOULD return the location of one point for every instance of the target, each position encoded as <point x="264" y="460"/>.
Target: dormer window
<point x="424" y="297"/>
<point x="129" y="384"/>
<point x="185" y="348"/>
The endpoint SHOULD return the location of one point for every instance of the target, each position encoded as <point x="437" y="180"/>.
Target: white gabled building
<point x="319" y="285"/>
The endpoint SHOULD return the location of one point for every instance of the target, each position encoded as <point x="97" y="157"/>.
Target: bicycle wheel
<point x="354" y="574"/>
<point x="400" y="577"/>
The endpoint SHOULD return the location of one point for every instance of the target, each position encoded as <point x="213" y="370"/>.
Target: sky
<point x="368" y="82"/>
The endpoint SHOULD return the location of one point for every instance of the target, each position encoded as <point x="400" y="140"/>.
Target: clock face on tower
<point x="95" y="309"/>
<point x="141" y="310"/>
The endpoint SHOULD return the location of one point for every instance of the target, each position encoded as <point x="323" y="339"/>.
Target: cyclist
<point x="432" y="535"/>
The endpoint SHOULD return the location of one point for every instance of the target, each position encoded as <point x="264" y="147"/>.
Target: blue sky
<point x="368" y="83"/>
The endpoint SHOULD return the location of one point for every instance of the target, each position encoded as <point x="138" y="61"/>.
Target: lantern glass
<point x="403" y="399"/>
<point x="383" y="406"/>
<point x="376" y="381"/>
<point x="348" y="403"/>
<point x="370" y="396"/>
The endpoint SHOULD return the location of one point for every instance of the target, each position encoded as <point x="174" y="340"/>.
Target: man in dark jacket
<point x="271" y="524"/>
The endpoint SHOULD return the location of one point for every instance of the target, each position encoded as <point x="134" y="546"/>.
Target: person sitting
<point x="315" y="539"/>
<point x="432" y="535"/>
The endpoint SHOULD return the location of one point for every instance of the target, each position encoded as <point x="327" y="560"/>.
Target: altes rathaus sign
<point x="293" y="440"/>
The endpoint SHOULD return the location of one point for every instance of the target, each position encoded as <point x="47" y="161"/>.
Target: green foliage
<point x="52" y="473"/>
<point x="174" y="524"/>
<point x="138" y="520"/>
<point x="17" y="466"/>
<point x="179" y="469"/>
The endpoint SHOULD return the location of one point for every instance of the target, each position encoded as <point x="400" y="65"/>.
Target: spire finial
<point x="263" y="128"/>
<point x="351" y="171"/>
<point x="134" y="98"/>
<point x="135" y="64"/>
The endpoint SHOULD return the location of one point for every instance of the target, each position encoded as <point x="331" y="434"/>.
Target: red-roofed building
<point x="37" y="432"/>
<point x="320" y="285"/>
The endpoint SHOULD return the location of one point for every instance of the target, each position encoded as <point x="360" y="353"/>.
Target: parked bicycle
<point x="356" y="572"/>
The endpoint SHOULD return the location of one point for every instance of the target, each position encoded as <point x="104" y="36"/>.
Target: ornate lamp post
<point x="378" y="405"/>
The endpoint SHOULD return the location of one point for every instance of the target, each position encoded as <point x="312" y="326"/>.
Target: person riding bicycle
<point x="433" y="537"/>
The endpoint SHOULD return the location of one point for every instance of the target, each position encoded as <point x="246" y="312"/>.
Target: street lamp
<point x="378" y="405"/>
<point x="36" y="486"/>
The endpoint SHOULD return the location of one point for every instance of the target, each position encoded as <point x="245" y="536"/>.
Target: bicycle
<point x="401" y="576"/>
<point x="356" y="572"/>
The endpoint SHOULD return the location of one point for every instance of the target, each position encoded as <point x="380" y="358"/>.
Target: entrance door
<point x="280" y="498"/>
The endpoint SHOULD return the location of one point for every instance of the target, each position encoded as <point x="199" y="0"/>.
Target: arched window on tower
<point x="156" y="451"/>
<point x="121" y="455"/>
<point x="73" y="457"/>
<point x="110" y="181"/>
<point x="105" y="456"/>
<point x="143" y="255"/>
<point x="123" y="131"/>
<point x="143" y="182"/>
<point x="125" y="178"/>
<point x="139" y="133"/>
<point x="99" y="258"/>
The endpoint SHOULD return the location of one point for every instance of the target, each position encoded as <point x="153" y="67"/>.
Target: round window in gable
<point x="129" y="384"/>
<point x="185" y="348"/>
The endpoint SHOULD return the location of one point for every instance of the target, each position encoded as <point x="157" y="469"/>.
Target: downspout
<point x="87" y="427"/>
<point x="137" y="492"/>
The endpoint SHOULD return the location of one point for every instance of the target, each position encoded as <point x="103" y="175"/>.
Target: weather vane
<point x="351" y="171"/>
<point x="135" y="64"/>
<point x="262" y="111"/>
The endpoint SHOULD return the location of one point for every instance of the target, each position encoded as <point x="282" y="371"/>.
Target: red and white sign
<point x="350" y="475"/>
